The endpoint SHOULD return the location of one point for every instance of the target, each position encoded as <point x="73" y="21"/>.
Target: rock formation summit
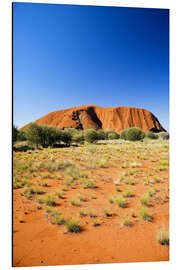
<point x="91" y="116"/>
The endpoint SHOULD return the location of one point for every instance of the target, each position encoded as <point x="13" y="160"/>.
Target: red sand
<point x="37" y="242"/>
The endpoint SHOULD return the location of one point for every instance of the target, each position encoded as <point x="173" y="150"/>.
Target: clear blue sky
<point x="66" y="56"/>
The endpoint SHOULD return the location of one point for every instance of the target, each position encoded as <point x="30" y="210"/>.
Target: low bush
<point x="15" y="133"/>
<point x="112" y="135"/>
<point x="91" y="135"/>
<point x="164" y="135"/>
<point x="152" y="135"/>
<point x="44" y="135"/>
<point x="101" y="134"/>
<point x="132" y="134"/>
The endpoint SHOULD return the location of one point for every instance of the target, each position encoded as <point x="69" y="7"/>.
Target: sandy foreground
<point x="36" y="241"/>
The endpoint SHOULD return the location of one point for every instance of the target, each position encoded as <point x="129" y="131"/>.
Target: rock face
<point x="90" y="116"/>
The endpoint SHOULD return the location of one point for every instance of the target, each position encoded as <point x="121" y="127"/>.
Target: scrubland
<point x="95" y="203"/>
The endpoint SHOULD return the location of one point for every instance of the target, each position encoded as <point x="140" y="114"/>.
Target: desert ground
<point x="91" y="204"/>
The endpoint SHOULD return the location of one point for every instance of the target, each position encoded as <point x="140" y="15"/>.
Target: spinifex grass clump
<point x="28" y="192"/>
<point x="40" y="200"/>
<point x="59" y="219"/>
<point x="72" y="173"/>
<point x="59" y="194"/>
<point x="89" y="184"/>
<point x="146" y="199"/>
<point x="82" y="198"/>
<point x="103" y="163"/>
<point x="119" y="200"/>
<point x="82" y="213"/>
<point x="95" y="222"/>
<point x="145" y="181"/>
<point x="74" y="202"/>
<point x="135" y="164"/>
<point x="144" y="213"/>
<point x="39" y="191"/>
<point x="55" y="217"/>
<point x="127" y="221"/>
<point x="107" y="212"/>
<point x="162" y="236"/>
<point x="44" y="184"/>
<point x="133" y="172"/>
<point x="127" y="192"/>
<point x="92" y="214"/>
<point x="73" y="226"/>
<point x="117" y="188"/>
<point x="93" y="196"/>
<point x="129" y="181"/>
<point x="49" y="200"/>
<point x="155" y="180"/>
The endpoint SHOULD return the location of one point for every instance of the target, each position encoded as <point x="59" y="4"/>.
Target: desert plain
<point x="104" y="203"/>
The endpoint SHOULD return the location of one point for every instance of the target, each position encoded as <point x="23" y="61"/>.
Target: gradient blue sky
<point x="66" y="56"/>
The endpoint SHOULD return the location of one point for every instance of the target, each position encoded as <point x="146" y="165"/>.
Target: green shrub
<point x="66" y="137"/>
<point x="111" y="134"/>
<point x="15" y="133"/>
<point x="164" y="135"/>
<point x="151" y="135"/>
<point x="44" y="135"/>
<point x="79" y="137"/>
<point x="101" y="134"/>
<point x="91" y="135"/>
<point x="132" y="134"/>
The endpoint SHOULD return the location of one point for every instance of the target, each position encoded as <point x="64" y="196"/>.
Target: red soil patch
<point x="37" y="242"/>
<point x="90" y="116"/>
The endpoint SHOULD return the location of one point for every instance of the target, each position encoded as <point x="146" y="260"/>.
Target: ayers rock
<point x="91" y="116"/>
